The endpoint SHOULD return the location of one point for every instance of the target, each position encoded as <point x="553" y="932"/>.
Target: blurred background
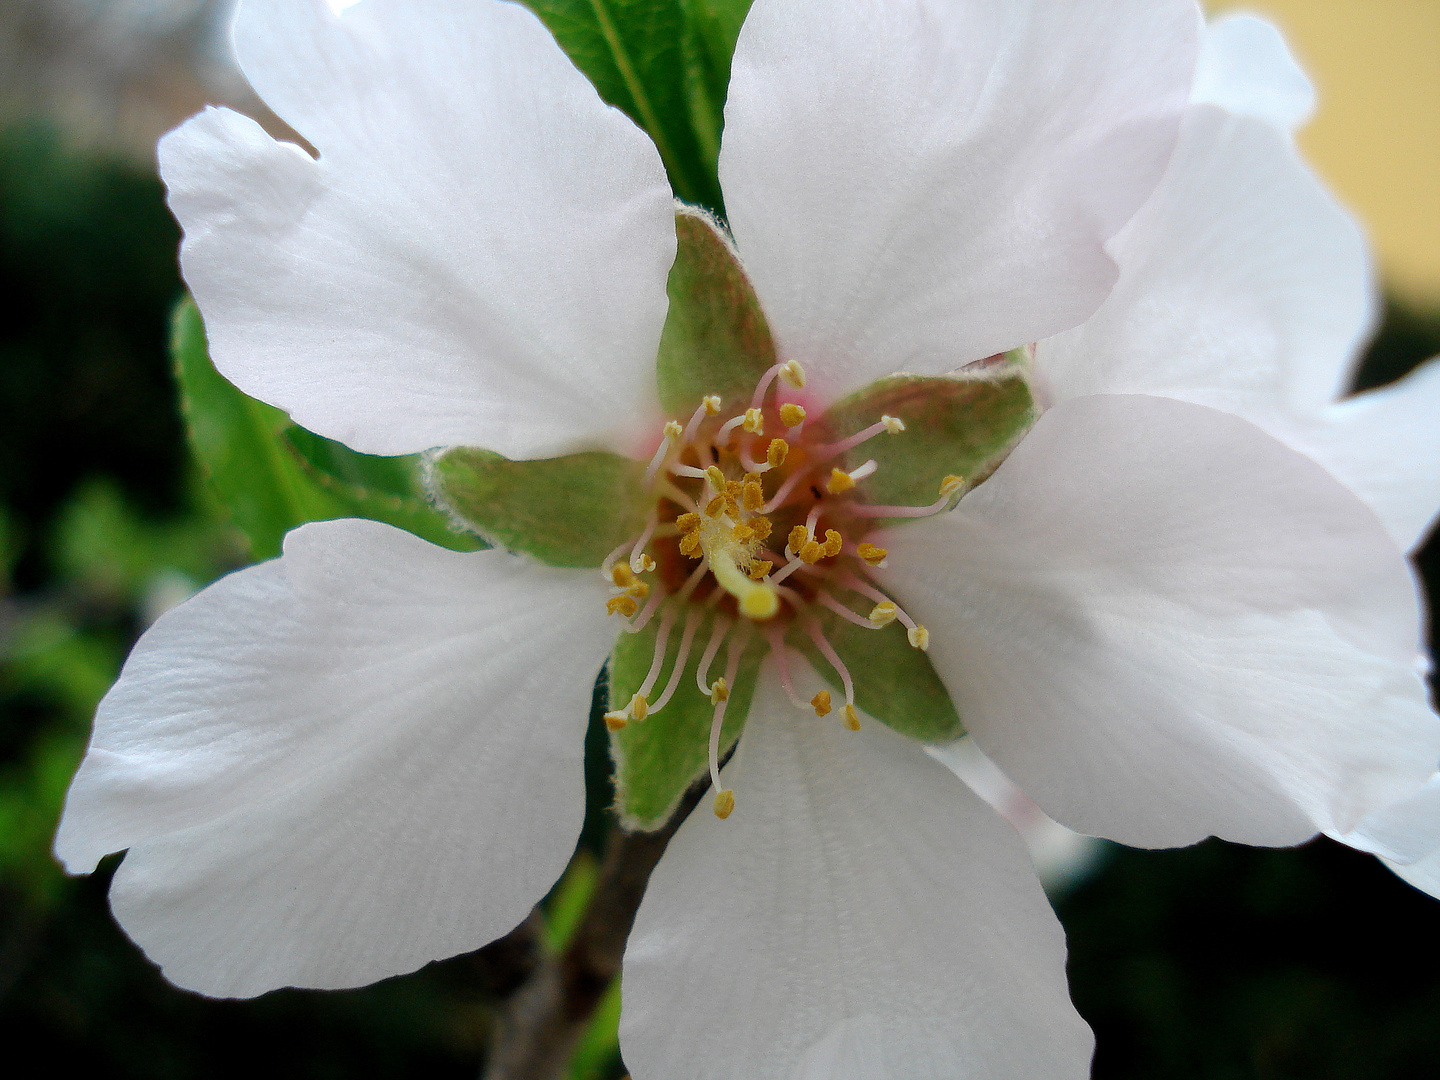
<point x="1214" y="961"/>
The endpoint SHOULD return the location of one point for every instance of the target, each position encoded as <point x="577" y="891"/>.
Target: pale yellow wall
<point x="1376" y="137"/>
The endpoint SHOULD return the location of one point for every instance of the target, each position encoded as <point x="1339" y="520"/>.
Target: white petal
<point x="1424" y="875"/>
<point x="1403" y="833"/>
<point x="1162" y="624"/>
<point x="478" y="256"/>
<point x="1243" y="284"/>
<point x="1246" y="67"/>
<point x="861" y="915"/>
<point x="1384" y="445"/>
<point x="914" y="184"/>
<point x="344" y="763"/>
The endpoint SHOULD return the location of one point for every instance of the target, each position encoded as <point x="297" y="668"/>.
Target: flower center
<point x="755" y="525"/>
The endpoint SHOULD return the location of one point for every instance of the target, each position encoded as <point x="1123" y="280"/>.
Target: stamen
<point x="693" y="580"/>
<point x="874" y="556"/>
<point x="622" y="575"/>
<point x="776" y="637"/>
<point x="799" y="536"/>
<point x="845" y="613"/>
<point x="918" y="636"/>
<point x="616" y="720"/>
<point x="688" y="470"/>
<point x="792" y="374"/>
<point x="950" y="487"/>
<point x="821" y="703"/>
<point x="759" y="568"/>
<point x="638" y="558"/>
<point x="724" y="797"/>
<point x="673" y="431"/>
<point x="709" y="406"/>
<point x="839" y="482"/>
<point x="722" y="437"/>
<point x="828" y="651"/>
<point x="622" y="605"/>
<point x="754" y="422"/>
<point x="607" y="568"/>
<point x="883" y="613"/>
<point x="752" y="495"/>
<point x="716" y="478"/>
<point x="687" y="637"/>
<point x="778" y="500"/>
<point x="792" y="416"/>
<point x="657" y="661"/>
<point x="790" y="371"/>
<point x="646" y="613"/>
<point x="852" y="718"/>
<point x="776" y="453"/>
<point x="718" y="630"/>
<point x="890" y="424"/>
<point x="785" y="571"/>
<point x="834" y="544"/>
<point x="868" y="469"/>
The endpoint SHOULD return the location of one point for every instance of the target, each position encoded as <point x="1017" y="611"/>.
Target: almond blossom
<point x="852" y="509"/>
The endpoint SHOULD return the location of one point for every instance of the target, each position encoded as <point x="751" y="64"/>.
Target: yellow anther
<point x="690" y="544"/>
<point x="873" y="555"/>
<point x="743" y="533"/>
<point x="811" y="552"/>
<point x="833" y="543"/>
<point x="637" y="589"/>
<point x="852" y="719"/>
<point x="646" y="563"/>
<point x="754" y="422"/>
<point x="712" y="404"/>
<point x="622" y="575"/>
<point x="776" y="453"/>
<point x="639" y="707"/>
<point x="884" y="613"/>
<point x="616" y="720"/>
<point x="715" y="507"/>
<point x="719" y="691"/>
<point x="792" y="415"/>
<point x="821" y="703"/>
<point x="951" y="485"/>
<point x="793" y="374"/>
<point x="753" y="496"/>
<point x="716" y="477"/>
<point x="623" y="605"/>
<point x="673" y="429"/>
<point x="762" y="527"/>
<point x="893" y="424"/>
<point x="799" y="537"/>
<point x="759" y="568"/>
<point x="688" y="523"/>
<point x="733" y="487"/>
<point x="919" y="637"/>
<point x="839" y="481"/>
<point x="724" y="803"/>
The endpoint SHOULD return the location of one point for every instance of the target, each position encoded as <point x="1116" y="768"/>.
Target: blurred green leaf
<point x="666" y="64"/>
<point x="599" y="1051"/>
<point x="272" y="475"/>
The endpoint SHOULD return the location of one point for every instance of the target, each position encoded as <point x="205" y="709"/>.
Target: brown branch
<point x="540" y="1025"/>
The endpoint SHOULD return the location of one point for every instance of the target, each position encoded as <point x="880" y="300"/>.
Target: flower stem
<point x="540" y="1025"/>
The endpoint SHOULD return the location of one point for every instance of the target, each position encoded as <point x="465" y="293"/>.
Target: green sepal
<point x="716" y="339"/>
<point x="272" y="475"/>
<point x="389" y="489"/>
<point x="894" y="682"/>
<point x="962" y="424"/>
<point x="658" y="758"/>
<point x="566" y="511"/>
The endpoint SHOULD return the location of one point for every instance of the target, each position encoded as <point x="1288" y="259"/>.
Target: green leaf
<point x="716" y="339"/>
<point x="713" y="26"/>
<point x="272" y="475"/>
<point x="566" y="511"/>
<point x="237" y="441"/>
<point x="961" y="424"/>
<point x="894" y="683"/>
<point x="634" y="52"/>
<point x="658" y="758"/>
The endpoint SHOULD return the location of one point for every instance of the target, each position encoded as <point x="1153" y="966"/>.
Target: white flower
<point x="1162" y="622"/>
